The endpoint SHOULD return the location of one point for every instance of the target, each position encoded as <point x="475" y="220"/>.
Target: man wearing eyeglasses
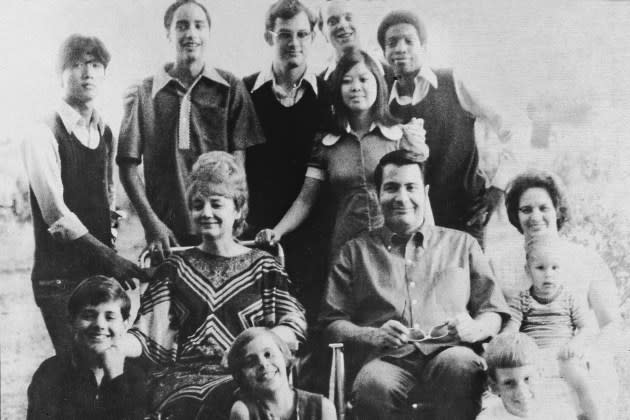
<point x="292" y="105"/>
<point x="412" y="302"/>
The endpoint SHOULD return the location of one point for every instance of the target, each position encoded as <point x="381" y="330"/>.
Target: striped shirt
<point x="551" y="323"/>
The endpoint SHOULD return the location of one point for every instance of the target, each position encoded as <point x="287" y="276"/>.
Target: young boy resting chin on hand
<point x="93" y="382"/>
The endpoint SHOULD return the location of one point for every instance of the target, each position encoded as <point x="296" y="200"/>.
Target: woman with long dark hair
<point x="346" y="157"/>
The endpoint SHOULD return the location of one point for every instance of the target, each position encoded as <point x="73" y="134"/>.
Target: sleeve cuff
<point x="316" y="173"/>
<point x="67" y="228"/>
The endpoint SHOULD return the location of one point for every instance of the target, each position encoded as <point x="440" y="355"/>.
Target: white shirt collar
<point x="71" y="119"/>
<point x="162" y="78"/>
<point x="267" y="75"/>
<point x="424" y="75"/>
<point x="393" y="133"/>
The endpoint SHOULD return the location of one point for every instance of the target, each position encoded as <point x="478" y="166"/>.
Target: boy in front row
<point x="513" y="375"/>
<point x="92" y="382"/>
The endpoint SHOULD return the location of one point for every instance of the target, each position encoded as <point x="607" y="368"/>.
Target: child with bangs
<point x="550" y="313"/>
<point x="93" y="382"/>
<point x="514" y="377"/>
<point x="259" y="362"/>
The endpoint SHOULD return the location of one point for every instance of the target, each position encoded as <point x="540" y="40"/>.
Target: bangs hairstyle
<point x="397" y="17"/>
<point x="288" y="9"/>
<point x="76" y="46"/>
<point x="380" y="109"/>
<point x="96" y="290"/>
<point x="537" y="179"/>
<point x="170" y="12"/>
<point x="219" y="173"/>
<point x="398" y="158"/>
<point x="236" y="355"/>
<point x="510" y="351"/>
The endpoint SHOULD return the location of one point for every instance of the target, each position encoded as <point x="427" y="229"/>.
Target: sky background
<point x="518" y="52"/>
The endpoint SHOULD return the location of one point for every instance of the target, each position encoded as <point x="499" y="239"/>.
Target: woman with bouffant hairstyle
<point x="202" y="298"/>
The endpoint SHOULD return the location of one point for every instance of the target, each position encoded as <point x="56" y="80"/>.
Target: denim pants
<point x="450" y="380"/>
<point x="52" y="298"/>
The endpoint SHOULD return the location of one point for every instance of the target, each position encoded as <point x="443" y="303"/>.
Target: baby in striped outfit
<point x="550" y="313"/>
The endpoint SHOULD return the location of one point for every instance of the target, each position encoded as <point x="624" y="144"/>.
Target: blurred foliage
<point x="592" y="160"/>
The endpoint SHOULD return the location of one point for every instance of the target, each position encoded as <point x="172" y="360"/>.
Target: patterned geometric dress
<point x="191" y="313"/>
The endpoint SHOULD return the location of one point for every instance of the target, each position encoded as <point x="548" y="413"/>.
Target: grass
<point x="24" y="340"/>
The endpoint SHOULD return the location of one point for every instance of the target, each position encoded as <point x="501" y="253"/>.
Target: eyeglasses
<point x="417" y="335"/>
<point x="287" y="36"/>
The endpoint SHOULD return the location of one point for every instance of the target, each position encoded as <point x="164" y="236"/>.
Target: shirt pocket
<point x="209" y="122"/>
<point x="451" y="290"/>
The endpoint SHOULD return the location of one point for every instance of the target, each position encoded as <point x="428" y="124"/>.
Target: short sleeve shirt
<point x="348" y="164"/>
<point x="219" y="115"/>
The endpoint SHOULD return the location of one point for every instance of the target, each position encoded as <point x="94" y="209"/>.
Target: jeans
<point x="451" y="380"/>
<point x="52" y="298"/>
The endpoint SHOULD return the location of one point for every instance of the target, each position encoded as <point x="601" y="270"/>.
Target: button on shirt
<point x="347" y="162"/>
<point x="421" y="281"/>
<point x="168" y="126"/>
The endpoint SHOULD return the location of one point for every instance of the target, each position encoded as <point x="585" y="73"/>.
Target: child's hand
<point x="573" y="349"/>
<point x="113" y="361"/>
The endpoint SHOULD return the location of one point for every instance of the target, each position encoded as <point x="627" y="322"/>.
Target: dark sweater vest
<point x="276" y="169"/>
<point x="84" y="179"/>
<point x="452" y="170"/>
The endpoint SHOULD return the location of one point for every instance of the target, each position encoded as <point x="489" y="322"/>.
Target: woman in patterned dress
<point x="202" y="298"/>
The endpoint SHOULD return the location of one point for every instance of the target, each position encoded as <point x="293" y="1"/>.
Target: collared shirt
<point x="497" y="160"/>
<point x="61" y="389"/>
<point x="215" y="111"/>
<point x="163" y="78"/>
<point x="347" y="163"/>
<point x="293" y="96"/>
<point x="421" y="281"/>
<point x="40" y="152"/>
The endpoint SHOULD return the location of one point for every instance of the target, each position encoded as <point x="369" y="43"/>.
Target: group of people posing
<point x="369" y="176"/>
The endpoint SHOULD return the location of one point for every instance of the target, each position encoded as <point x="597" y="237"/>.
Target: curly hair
<point x="398" y="17"/>
<point x="219" y="173"/>
<point x="537" y="179"/>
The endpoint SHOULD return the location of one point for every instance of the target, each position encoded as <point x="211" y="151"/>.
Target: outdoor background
<point x="559" y="67"/>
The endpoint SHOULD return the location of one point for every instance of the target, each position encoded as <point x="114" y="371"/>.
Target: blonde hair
<point x="218" y="173"/>
<point x="510" y="350"/>
<point x="538" y="242"/>
<point x="236" y="355"/>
